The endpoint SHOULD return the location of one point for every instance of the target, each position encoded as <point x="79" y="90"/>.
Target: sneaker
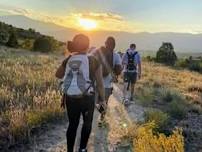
<point x="102" y="122"/>
<point x="126" y="102"/>
<point x="82" y="150"/>
<point x="123" y="100"/>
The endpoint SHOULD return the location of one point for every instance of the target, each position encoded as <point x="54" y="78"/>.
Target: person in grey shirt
<point x="132" y="70"/>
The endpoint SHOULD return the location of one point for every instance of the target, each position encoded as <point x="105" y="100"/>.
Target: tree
<point x="166" y="54"/>
<point x="12" y="41"/>
<point x="3" y="37"/>
<point x="45" y="44"/>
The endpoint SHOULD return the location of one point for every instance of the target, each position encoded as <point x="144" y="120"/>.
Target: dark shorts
<point x="130" y="77"/>
<point x="108" y="92"/>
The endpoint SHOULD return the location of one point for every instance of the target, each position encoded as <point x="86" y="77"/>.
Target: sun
<point x="87" y="24"/>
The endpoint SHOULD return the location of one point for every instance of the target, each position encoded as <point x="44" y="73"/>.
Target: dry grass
<point x="185" y="82"/>
<point x="28" y="95"/>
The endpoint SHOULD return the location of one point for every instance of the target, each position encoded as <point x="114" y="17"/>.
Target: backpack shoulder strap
<point x="64" y="63"/>
<point x="135" y="53"/>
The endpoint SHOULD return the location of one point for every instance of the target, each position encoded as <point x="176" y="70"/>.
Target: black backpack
<point x="131" y="61"/>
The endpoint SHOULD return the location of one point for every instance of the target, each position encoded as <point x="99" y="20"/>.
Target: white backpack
<point x="77" y="81"/>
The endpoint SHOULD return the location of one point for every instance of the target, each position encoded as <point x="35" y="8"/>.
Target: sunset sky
<point x="113" y="15"/>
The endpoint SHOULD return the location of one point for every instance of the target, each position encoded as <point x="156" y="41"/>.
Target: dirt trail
<point x="54" y="140"/>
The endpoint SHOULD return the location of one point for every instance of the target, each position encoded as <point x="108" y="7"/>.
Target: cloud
<point x="14" y="10"/>
<point x="30" y="13"/>
<point x="100" y="16"/>
<point x="104" y="20"/>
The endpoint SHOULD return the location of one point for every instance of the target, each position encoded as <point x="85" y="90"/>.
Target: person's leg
<point x="133" y="79"/>
<point x="132" y="91"/>
<point x="108" y="92"/>
<point x="73" y="112"/>
<point x="87" y="112"/>
<point x="125" y="85"/>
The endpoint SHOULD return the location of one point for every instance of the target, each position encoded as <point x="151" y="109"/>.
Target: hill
<point x="183" y="42"/>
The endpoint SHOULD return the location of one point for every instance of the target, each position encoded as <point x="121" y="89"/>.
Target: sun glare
<point x="87" y="24"/>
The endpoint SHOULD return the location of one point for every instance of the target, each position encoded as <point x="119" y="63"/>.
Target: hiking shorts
<point x="108" y="92"/>
<point x="130" y="77"/>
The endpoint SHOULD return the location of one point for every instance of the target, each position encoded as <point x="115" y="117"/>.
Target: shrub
<point x="195" y="66"/>
<point x="167" y="95"/>
<point x="27" y="44"/>
<point x="145" y="96"/>
<point x="160" y="118"/>
<point x="177" y="109"/>
<point x="45" y="44"/>
<point x="183" y="63"/>
<point x="146" y="141"/>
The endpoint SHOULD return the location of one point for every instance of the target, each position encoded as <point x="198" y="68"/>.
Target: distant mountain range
<point x="183" y="42"/>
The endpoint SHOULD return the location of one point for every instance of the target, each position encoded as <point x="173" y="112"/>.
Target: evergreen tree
<point x="12" y="41"/>
<point x="166" y="54"/>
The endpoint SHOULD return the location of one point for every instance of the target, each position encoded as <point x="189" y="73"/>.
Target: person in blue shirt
<point x="132" y="70"/>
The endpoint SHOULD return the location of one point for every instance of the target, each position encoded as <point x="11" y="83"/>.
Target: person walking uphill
<point x="79" y="72"/>
<point x="111" y="67"/>
<point x="132" y="69"/>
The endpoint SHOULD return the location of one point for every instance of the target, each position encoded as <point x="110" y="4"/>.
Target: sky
<point x="183" y="16"/>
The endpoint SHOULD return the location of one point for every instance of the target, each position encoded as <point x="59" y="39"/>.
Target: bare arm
<point x="118" y="69"/>
<point x="60" y="72"/>
<point x="139" y="70"/>
<point x="118" y="65"/>
<point x="99" y="82"/>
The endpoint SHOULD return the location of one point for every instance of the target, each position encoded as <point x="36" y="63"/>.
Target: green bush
<point x="167" y="95"/>
<point x="183" y="63"/>
<point x="27" y="44"/>
<point x="45" y="44"/>
<point x="160" y="118"/>
<point x="195" y="66"/>
<point x="177" y="109"/>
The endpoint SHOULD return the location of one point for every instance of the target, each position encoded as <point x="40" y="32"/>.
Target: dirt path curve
<point x="54" y="140"/>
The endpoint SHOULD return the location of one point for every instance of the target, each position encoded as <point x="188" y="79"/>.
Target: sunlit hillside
<point x="171" y="98"/>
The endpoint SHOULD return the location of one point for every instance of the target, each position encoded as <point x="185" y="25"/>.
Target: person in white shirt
<point x="111" y="66"/>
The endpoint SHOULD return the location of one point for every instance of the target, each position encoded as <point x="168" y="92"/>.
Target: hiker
<point x="79" y="72"/>
<point x="132" y="70"/>
<point x="111" y="67"/>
